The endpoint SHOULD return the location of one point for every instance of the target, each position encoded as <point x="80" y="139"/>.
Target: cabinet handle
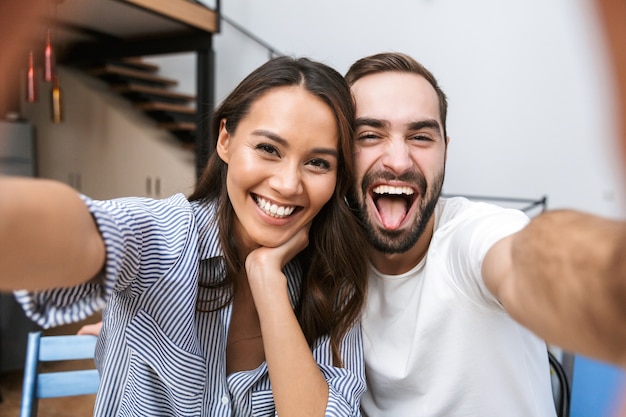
<point x="148" y="186"/>
<point x="74" y="180"/>
<point x="157" y="187"/>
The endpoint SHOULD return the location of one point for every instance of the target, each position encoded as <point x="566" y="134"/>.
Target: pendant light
<point x="50" y="75"/>
<point x="56" y="101"/>
<point x="31" y="79"/>
<point x="49" y="72"/>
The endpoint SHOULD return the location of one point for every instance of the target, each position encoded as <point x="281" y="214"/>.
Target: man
<point x="449" y="276"/>
<point x="437" y="339"/>
<point x="457" y="289"/>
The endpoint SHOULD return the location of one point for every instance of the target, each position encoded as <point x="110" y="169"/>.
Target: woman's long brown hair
<point x="335" y="261"/>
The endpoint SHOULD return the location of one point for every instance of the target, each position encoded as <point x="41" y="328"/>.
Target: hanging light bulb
<point x="56" y="102"/>
<point x="31" y="80"/>
<point x="49" y="72"/>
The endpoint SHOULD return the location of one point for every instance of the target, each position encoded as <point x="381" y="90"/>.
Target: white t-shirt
<point x="437" y="343"/>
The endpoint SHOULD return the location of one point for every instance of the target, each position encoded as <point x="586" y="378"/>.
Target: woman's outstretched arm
<point x="48" y="238"/>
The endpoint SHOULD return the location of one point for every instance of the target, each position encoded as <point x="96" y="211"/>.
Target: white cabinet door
<point x="104" y="148"/>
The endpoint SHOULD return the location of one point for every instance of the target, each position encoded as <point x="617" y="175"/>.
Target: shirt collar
<point x="208" y="230"/>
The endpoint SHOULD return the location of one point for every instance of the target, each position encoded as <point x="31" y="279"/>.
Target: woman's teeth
<point x="273" y="209"/>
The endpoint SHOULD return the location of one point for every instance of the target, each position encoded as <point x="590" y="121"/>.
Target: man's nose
<point x="397" y="156"/>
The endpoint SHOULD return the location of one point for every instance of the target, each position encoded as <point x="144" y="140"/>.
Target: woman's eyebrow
<point x="270" y="135"/>
<point x="284" y="142"/>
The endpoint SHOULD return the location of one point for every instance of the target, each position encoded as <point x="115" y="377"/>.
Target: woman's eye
<point x="267" y="148"/>
<point x="322" y="164"/>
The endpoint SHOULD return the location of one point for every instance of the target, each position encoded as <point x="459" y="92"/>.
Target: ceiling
<point x="82" y="20"/>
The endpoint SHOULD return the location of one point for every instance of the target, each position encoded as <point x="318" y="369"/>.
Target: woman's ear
<point x="223" y="140"/>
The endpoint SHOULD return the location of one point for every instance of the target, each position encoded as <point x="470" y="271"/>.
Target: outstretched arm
<point x="48" y="238"/>
<point x="564" y="277"/>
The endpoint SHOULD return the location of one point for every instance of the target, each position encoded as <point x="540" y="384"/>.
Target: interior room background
<point x="528" y="84"/>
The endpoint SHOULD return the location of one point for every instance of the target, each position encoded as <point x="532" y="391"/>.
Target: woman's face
<point x="282" y="165"/>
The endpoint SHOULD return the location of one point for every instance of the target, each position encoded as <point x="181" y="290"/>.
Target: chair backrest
<point x="38" y="384"/>
<point x="561" y="391"/>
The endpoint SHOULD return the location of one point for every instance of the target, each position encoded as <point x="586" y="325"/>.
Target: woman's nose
<point x="287" y="180"/>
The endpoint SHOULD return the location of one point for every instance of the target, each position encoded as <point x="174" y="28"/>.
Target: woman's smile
<point x="273" y="209"/>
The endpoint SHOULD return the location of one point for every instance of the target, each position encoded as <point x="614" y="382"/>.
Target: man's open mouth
<point x="393" y="203"/>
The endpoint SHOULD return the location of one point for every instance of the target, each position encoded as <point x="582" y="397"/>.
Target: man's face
<point x="400" y="157"/>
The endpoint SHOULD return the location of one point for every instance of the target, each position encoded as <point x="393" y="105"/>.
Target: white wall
<point x="528" y="86"/>
<point x="529" y="93"/>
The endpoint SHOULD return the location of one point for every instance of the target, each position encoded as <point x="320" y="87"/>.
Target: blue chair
<point x="561" y="391"/>
<point x="596" y="387"/>
<point x="38" y="384"/>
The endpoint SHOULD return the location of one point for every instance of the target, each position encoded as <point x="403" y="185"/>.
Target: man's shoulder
<point x="459" y="209"/>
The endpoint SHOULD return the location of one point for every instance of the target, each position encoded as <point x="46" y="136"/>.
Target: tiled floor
<point x="11" y="391"/>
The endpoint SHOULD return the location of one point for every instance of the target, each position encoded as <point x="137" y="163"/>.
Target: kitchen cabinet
<point x="17" y="158"/>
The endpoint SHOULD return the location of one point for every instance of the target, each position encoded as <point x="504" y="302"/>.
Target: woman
<point x="257" y="278"/>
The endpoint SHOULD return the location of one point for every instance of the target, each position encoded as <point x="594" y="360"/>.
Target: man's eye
<point x="367" y="136"/>
<point x="422" y="137"/>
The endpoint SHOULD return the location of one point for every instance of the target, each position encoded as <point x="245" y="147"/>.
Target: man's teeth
<point x="388" y="189"/>
<point x="273" y="209"/>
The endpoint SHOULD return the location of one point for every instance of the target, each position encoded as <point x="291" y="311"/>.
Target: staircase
<point x="139" y="82"/>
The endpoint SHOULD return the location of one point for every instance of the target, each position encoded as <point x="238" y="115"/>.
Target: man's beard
<point x="400" y="241"/>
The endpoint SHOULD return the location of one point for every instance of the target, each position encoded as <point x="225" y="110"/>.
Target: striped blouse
<point x="156" y="354"/>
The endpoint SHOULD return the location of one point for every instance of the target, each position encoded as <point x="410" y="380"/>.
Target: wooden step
<point x="190" y="146"/>
<point x="115" y="72"/>
<point x="140" y="64"/>
<point x="164" y="107"/>
<point x="138" y="92"/>
<point x="177" y="126"/>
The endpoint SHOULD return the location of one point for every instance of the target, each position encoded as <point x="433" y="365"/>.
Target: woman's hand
<point x="298" y="385"/>
<point x="264" y="265"/>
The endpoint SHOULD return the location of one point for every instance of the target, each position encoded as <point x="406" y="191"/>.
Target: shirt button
<point x="225" y="399"/>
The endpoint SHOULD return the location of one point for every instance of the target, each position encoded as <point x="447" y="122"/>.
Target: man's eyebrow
<point x="425" y="124"/>
<point x="419" y="125"/>
<point x="284" y="142"/>
<point x="366" y="121"/>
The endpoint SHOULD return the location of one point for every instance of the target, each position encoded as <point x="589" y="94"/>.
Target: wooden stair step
<point x="116" y="72"/>
<point x="184" y="136"/>
<point x="136" y="63"/>
<point x="177" y="126"/>
<point x="190" y="146"/>
<point x="164" y="107"/>
<point x="145" y="93"/>
<point x="139" y="63"/>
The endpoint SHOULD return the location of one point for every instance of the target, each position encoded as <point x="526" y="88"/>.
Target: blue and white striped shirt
<point x="156" y="354"/>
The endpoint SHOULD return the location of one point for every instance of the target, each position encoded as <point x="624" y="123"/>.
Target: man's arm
<point x="48" y="238"/>
<point x="564" y="277"/>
